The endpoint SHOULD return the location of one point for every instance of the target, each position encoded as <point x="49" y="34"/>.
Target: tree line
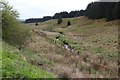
<point x="63" y="14"/>
<point x="108" y="10"/>
<point x="94" y="10"/>
<point x="34" y="20"/>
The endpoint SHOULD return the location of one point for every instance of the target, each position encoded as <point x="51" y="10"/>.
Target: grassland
<point x="15" y="65"/>
<point x="91" y="52"/>
<point x="92" y="47"/>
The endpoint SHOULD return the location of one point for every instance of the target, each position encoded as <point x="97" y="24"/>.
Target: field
<point x="15" y="64"/>
<point x="85" y="49"/>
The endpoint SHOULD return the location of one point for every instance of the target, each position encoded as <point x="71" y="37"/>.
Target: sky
<point x="40" y="8"/>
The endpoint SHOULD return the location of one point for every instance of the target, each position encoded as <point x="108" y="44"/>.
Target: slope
<point x="87" y="48"/>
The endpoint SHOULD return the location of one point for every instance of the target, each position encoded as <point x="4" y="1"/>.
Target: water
<point x="66" y="47"/>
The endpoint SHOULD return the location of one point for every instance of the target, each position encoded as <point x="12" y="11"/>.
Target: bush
<point x="12" y="31"/>
<point x="68" y="23"/>
<point x="36" y="24"/>
<point x="59" y="21"/>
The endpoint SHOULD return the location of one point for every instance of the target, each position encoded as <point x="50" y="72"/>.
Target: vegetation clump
<point x="68" y="23"/>
<point x="14" y="33"/>
<point x="59" y="21"/>
<point x="36" y="24"/>
<point x="15" y="66"/>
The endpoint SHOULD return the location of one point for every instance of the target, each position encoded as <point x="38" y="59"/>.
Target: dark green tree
<point x="116" y="11"/>
<point x="68" y="23"/>
<point x="89" y="12"/>
<point x="59" y="21"/>
<point x="36" y="24"/>
<point x="100" y="10"/>
<point x="109" y="9"/>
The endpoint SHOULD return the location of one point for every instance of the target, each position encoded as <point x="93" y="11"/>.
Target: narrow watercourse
<point x="63" y="44"/>
<point x="83" y="64"/>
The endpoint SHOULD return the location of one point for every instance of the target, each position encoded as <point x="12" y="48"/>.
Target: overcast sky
<point x="40" y="8"/>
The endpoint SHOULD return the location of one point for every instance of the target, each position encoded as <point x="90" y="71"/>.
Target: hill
<point x="87" y="48"/>
<point x="15" y="64"/>
<point x="64" y="48"/>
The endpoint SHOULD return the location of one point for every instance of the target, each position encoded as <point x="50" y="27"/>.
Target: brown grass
<point x="99" y="38"/>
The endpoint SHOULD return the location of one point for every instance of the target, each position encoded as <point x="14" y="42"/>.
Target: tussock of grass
<point x="14" y="66"/>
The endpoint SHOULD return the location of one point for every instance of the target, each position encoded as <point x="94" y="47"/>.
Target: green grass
<point x="91" y="30"/>
<point x="0" y="59"/>
<point x="36" y="59"/>
<point x="93" y="37"/>
<point x="77" y="46"/>
<point x="15" y="65"/>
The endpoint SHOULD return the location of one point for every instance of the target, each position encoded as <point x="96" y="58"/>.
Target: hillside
<point x="87" y="48"/>
<point x="15" y="64"/>
<point x="65" y="46"/>
<point x="14" y="61"/>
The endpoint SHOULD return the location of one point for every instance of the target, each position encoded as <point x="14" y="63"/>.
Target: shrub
<point x="68" y="23"/>
<point x="13" y="32"/>
<point x="59" y="21"/>
<point x="36" y="24"/>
